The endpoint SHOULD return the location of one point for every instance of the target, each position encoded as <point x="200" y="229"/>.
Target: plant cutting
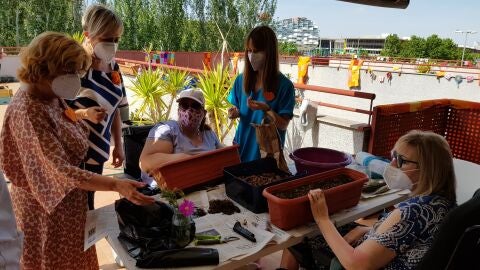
<point x="182" y="217"/>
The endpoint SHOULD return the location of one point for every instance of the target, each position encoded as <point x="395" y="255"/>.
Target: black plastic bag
<point x="145" y="235"/>
<point x="147" y="226"/>
<point x="180" y="258"/>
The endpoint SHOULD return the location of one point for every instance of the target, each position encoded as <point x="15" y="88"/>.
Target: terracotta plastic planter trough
<point x="198" y="169"/>
<point x="289" y="213"/>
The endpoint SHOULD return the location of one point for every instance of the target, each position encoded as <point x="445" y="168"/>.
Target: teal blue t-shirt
<point x="282" y="104"/>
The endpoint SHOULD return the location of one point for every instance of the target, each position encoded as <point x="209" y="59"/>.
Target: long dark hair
<point x="263" y="39"/>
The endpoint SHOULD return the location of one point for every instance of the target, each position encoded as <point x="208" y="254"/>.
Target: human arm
<point x="281" y="121"/>
<point x="356" y="233"/>
<point x="94" y="114"/>
<point x="45" y="162"/>
<point x="157" y="152"/>
<point x="127" y="188"/>
<point x="118" y="155"/>
<point x="368" y="255"/>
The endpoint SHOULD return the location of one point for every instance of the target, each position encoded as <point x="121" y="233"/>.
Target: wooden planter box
<point x="197" y="169"/>
<point x="289" y="213"/>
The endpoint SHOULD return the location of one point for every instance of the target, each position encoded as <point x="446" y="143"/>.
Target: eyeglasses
<point x="194" y="105"/>
<point x="401" y="160"/>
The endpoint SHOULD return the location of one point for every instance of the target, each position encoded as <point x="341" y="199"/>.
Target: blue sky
<point x="421" y="18"/>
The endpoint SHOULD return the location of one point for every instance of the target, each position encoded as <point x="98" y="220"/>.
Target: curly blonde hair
<point x="51" y="54"/>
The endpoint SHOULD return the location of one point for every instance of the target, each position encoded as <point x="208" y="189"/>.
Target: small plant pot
<point x="289" y="213"/>
<point x="197" y="169"/>
<point x="242" y="187"/>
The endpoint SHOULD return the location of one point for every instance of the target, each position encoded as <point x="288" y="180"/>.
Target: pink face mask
<point x="190" y="118"/>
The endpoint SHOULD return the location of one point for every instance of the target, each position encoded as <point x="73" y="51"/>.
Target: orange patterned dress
<point x="40" y="153"/>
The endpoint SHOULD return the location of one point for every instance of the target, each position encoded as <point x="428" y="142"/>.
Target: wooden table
<point x="363" y="209"/>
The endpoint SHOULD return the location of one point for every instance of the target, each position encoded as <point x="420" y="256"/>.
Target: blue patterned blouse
<point x="413" y="235"/>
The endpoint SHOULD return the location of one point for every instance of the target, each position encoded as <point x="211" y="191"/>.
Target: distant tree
<point x="414" y="48"/>
<point x="437" y="48"/>
<point x="362" y="52"/>
<point x="172" y="25"/>
<point x="170" y="17"/>
<point x="393" y="46"/>
<point x="288" y="48"/>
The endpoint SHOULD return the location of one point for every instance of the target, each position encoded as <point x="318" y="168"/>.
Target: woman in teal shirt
<point x="260" y="89"/>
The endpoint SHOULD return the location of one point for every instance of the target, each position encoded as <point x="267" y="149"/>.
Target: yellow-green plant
<point x="216" y="85"/>
<point x="78" y="37"/>
<point x="176" y="80"/>
<point x="148" y="50"/>
<point x="423" y="68"/>
<point x="149" y="89"/>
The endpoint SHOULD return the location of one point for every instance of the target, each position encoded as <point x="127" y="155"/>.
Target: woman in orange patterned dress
<point x="41" y="147"/>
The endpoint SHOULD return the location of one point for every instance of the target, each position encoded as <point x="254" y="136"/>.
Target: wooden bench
<point x="332" y="131"/>
<point x="129" y="68"/>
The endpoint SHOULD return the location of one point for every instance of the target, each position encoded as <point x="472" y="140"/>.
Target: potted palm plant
<point x="216" y="85"/>
<point x="176" y="80"/>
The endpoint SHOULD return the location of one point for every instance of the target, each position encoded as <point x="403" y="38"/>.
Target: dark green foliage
<point x="172" y="25"/>
<point x="433" y="47"/>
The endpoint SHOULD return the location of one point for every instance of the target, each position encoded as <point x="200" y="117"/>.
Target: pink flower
<point x="186" y="208"/>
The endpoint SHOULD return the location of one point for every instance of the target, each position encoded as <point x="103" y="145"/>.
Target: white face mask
<point x="395" y="178"/>
<point x="66" y="86"/>
<point x="105" y="51"/>
<point x="257" y="60"/>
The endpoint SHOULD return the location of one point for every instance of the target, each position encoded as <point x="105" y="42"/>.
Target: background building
<point x="371" y="45"/>
<point x="301" y="31"/>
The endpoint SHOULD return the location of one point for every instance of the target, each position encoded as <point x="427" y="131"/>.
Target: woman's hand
<point x="233" y="112"/>
<point x="257" y="105"/>
<point x="118" y="156"/>
<point x="95" y="114"/>
<point x="318" y="205"/>
<point x="128" y="189"/>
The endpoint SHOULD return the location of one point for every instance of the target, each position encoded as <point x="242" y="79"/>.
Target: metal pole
<point x="464" y="46"/>
<point x="465" y="42"/>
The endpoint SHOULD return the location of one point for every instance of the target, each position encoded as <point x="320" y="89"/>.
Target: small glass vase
<point x="180" y="231"/>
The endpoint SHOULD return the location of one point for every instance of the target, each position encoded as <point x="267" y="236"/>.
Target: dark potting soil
<point x="303" y="190"/>
<point x="199" y="212"/>
<point x="262" y="179"/>
<point x="223" y="206"/>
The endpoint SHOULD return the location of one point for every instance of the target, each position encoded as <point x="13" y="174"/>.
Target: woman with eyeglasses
<point x="177" y="139"/>
<point x="422" y="162"/>
<point x="42" y="145"/>
<point x="261" y="89"/>
<point x="102" y="95"/>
